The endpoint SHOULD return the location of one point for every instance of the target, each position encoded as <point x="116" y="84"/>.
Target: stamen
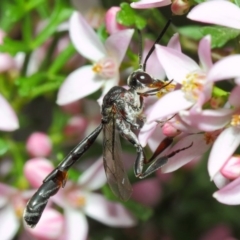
<point x="106" y="68"/>
<point x="235" y="122"/>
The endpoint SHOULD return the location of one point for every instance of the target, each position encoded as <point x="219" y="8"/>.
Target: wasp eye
<point x="143" y="77"/>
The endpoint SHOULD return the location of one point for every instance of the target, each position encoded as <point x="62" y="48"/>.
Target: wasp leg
<point x="160" y="162"/>
<point x="125" y="131"/>
<point x="56" y="179"/>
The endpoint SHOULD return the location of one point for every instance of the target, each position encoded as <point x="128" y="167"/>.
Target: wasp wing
<point x="116" y="176"/>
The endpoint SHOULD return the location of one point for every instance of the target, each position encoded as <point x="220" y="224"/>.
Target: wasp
<point x="121" y="113"/>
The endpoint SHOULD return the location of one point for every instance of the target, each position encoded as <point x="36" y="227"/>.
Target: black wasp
<point x="121" y="112"/>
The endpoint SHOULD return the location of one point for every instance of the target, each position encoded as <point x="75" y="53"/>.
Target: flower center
<point x="210" y="137"/>
<point x="105" y="67"/>
<point x="18" y="205"/>
<point x="235" y="122"/>
<point x="76" y="199"/>
<point x="168" y="88"/>
<point x="193" y="85"/>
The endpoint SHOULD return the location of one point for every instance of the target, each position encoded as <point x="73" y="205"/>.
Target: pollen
<point x="105" y="67"/>
<point x="193" y="85"/>
<point x="210" y="137"/>
<point x="235" y="122"/>
<point x="76" y="200"/>
<point x="168" y="88"/>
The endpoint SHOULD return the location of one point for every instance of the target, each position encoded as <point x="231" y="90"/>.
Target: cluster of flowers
<point x="196" y="111"/>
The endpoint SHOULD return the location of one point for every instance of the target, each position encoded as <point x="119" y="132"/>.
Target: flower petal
<point x="222" y="13"/>
<point x="117" y="44"/>
<point x="207" y="120"/>
<point x="109" y="213"/>
<point x="230" y="194"/>
<point x="176" y="64"/>
<point x="78" y="84"/>
<point x="204" y="53"/>
<point x="234" y="98"/>
<point x="227" y="67"/>
<point x="94" y="177"/>
<point x="9" y="223"/>
<point x="223" y="147"/>
<point x="150" y="3"/>
<point x="76" y="224"/>
<point x="50" y="226"/>
<point x="8" y="118"/>
<point x="146" y="132"/>
<point x="169" y="104"/>
<point x="85" y="39"/>
<point x="220" y="181"/>
<point x="198" y="149"/>
<point x="36" y="170"/>
<point x="174" y="42"/>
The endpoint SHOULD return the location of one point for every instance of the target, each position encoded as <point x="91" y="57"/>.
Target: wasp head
<point x="139" y="79"/>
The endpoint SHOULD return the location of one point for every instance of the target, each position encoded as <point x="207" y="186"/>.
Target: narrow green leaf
<point x="62" y="58"/>
<point x="12" y="46"/>
<point x="237" y="2"/>
<point x="191" y="31"/>
<point x="3" y="147"/>
<point x="220" y="35"/>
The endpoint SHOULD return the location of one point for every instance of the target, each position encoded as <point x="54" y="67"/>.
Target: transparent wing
<point x="115" y="172"/>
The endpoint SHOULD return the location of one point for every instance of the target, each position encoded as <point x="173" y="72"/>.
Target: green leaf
<point x="237" y="2"/>
<point x="220" y="35"/>
<point x="191" y="31"/>
<point x="12" y="47"/>
<point x="62" y="58"/>
<point x="59" y="15"/>
<point x="129" y="17"/>
<point x="3" y="147"/>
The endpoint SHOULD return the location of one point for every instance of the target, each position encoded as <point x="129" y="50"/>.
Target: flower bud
<point x="169" y="130"/>
<point x="231" y="169"/>
<point x="180" y="7"/>
<point x="110" y="20"/>
<point x="39" y="145"/>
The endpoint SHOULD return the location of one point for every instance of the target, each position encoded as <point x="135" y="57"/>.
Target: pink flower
<point x="106" y="60"/>
<point x="223" y="13"/>
<point x="39" y="145"/>
<point x="180" y="7"/>
<point x="112" y="25"/>
<point x="8" y="118"/>
<point x="150" y="3"/>
<point x="231" y="169"/>
<point x="78" y="200"/>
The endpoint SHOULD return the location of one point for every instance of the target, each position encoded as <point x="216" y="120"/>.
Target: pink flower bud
<point x="76" y="126"/>
<point x="36" y="170"/>
<point x="180" y="7"/>
<point x="50" y="226"/>
<point x="39" y="145"/>
<point x="169" y="130"/>
<point x="110" y="20"/>
<point x="231" y="169"/>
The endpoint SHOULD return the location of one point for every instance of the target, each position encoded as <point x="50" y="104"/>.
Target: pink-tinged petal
<point x="147" y="192"/>
<point x="7" y="62"/>
<point x="207" y="120"/>
<point x="78" y="84"/>
<point x="198" y="148"/>
<point x="204" y="53"/>
<point x="85" y="39"/>
<point x="234" y="98"/>
<point x="169" y="104"/>
<point x="226" y="68"/>
<point x="237" y="81"/>
<point x="176" y="64"/>
<point x="220" y="231"/>
<point x="150" y="3"/>
<point x="36" y="170"/>
<point x="8" y="118"/>
<point x="223" y="147"/>
<point x="9" y="223"/>
<point x="109" y="213"/>
<point x="174" y="42"/>
<point x="222" y="13"/>
<point x="231" y="169"/>
<point x="153" y="66"/>
<point x="111" y="23"/>
<point x="230" y="194"/>
<point x="117" y="44"/>
<point x="94" y="177"/>
<point x="146" y="132"/>
<point x="156" y="138"/>
<point x="50" y="226"/>
<point x="76" y="224"/>
<point x="220" y="181"/>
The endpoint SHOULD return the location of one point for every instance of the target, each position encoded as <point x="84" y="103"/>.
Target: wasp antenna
<point x="140" y="50"/>
<point x="157" y="40"/>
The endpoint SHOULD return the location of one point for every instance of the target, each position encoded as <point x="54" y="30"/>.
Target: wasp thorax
<point x="193" y="85"/>
<point x="105" y="67"/>
<point x="139" y="79"/>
